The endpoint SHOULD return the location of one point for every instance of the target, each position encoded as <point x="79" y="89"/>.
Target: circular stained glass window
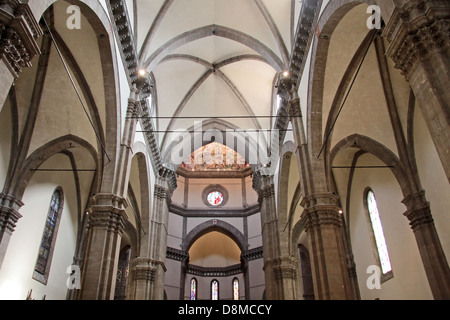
<point x="215" y="198"/>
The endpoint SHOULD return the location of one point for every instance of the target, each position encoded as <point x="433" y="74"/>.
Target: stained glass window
<point x="48" y="238"/>
<point x="194" y="289"/>
<point x="214" y="290"/>
<point x="235" y="289"/>
<point x="378" y="233"/>
<point x="215" y="198"/>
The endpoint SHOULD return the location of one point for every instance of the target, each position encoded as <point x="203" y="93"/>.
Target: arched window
<point x="44" y="259"/>
<point x="235" y="289"/>
<point x="214" y="290"/>
<point x="378" y="238"/>
<point x="194" y="288"/>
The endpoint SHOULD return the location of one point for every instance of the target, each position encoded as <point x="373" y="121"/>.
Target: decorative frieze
<point x="215" y="272"/>
<point x="176" y="254"/>
<point x="303" y="37"/>
<point x="252" y="254"/>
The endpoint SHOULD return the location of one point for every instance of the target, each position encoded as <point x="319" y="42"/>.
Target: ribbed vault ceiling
<point x="215" y="61"/>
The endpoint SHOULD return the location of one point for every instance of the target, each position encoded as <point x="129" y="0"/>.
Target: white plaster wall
<point x="409" y="280"/>
<point x="17" y="270"/>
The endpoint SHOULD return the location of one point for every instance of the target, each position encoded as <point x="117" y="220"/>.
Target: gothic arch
<point x="284" y="210"/>
<point x="214" y="225"/>
<point x="144" y="206"/>
<point x="328" y="22"/>
<point x="378" y="150"/>
<point x="37" y="158"/>
<point x="108" y="133"/>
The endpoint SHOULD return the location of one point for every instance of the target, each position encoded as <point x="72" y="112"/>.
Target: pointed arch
<point x="214" y="225"/>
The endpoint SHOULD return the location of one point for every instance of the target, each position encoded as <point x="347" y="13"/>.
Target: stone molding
<point x="415" y="32"/>
<point x="252" y="254"/>
<point x="108" y="211"/>
<point x="18" y="34"/>
<point x="284" y="268"/>
<point x="215" y="272"/>
<point x="9" y="213"/>
<point x="141" y="269"/>
<point x="303" y="38"/>
<point x="322" y="218"/>
<point x="419" y="216"/>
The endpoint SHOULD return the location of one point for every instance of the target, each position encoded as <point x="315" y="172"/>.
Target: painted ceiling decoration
<point x="215" y="156"/>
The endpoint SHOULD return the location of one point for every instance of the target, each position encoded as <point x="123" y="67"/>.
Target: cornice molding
<point x="18" y="34"/>
<point x="214" y="213"/>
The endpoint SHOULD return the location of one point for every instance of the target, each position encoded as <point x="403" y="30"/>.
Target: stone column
<point x="433" y="257"/>
<point x="158" y="233"/>
<point x="264" y="185"/>
<point x="9" y="216"/>
<point x="419" y="36"/>
<point x="107" y="218"/>
<point x="323" y="223"/>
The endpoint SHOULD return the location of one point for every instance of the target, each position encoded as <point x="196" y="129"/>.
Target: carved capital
<point x="324" y="217"/>
<point x="141" y="269"/>
<point x="419" y="216"/>
<point x="108" y="211"/>
<point x="416" y="31"/>
<point x="9" y="213"/>
<point x="284" y="268"/>
<point x="265" y="188"/>
<point x="18" y="34"/>
<point x="322" y="210"/>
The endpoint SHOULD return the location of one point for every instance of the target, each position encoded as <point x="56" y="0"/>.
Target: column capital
<point x="108" y="211"/>
<point x="9" y="212"/>
<point x="264" y="186"/>
<point x="142" y="269"/>
<point x="284" y="268"/>
<point x="419" y="216"/>
<point x="18" y="34"/>
<point x="417" y="30"/>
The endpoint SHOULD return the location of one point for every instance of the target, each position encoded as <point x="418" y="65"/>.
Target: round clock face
<point x="215" y="198"/>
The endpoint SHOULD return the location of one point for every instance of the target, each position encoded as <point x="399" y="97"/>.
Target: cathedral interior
<point x="224" y="150"/>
